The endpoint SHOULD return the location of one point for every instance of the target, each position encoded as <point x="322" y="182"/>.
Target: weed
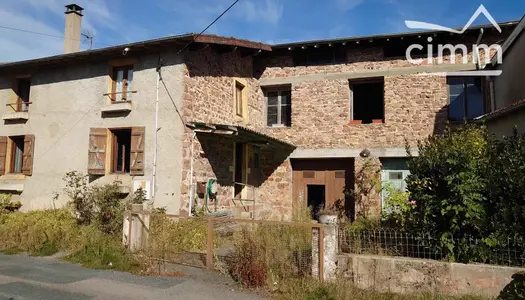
<point x="46" y="249"/>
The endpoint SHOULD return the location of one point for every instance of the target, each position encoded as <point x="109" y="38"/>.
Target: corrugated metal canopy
<point x="239" y="133"/>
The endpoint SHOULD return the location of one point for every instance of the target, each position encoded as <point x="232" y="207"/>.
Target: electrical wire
<point x="207" y="27"/>
<point x="48" y="35"/>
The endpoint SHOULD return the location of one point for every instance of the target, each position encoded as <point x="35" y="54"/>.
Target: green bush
<point x="398" y="208"/>
<point x="448" y="188"/>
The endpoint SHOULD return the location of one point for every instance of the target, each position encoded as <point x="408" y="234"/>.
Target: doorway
<point x="239" y="163"/>
<point x="316" y="199"/>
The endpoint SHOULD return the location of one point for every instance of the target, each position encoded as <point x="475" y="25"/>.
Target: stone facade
<point x="415" y="106"/>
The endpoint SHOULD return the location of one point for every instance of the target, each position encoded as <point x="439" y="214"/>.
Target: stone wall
<point x="208" y="97"/>
<point x="408" y="275"/>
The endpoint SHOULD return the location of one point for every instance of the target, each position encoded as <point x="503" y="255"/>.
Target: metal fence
<point x="268" y="249"/>
<point x="509" y="251"/>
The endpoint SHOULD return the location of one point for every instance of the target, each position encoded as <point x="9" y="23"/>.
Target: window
<point x="117" y="150"/>
<point x="122" y="83"/>
<point x="324" y="55"/>
<point x="17" y="153"/>
<point x="466" y="98"/>
<point x="368" y="101"/>
<point x="279" y="108"/>
<point x="394" y="174"/>
<point x="121" y="150"/>
<point x="23" y="86"/>
<point x="239" y="101"/>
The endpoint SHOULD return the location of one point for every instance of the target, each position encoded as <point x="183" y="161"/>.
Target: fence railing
<point x="276" y="249"/>
<point x="509" y="251"/>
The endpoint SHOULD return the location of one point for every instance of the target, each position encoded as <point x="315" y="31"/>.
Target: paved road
<point x="24" y="277"/>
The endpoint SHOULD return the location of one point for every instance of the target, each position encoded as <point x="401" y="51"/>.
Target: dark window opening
<point x="239" y="162"/>
<point x="324" y="55"/>
<point x="316" y="198"/>
<point x="368" y="101"/>
<point x="279" y="107"/>
<point x="17" y="153"/>
<point x="23" y="90"/>
<point x="466" y="98"/>
<point x="121" y="150"/>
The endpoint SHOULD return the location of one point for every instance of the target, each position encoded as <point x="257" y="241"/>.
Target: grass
<point x="310" y="289"/>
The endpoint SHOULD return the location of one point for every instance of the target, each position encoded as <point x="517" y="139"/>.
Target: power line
<point x="46" y="34"/>
<point x="207" y="27"/>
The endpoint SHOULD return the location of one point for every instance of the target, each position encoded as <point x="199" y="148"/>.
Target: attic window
<point x="368" y="101"/>
<point x="324" y="55"/>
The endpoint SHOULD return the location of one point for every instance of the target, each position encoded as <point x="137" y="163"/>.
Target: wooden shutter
<point x="97" y="151"/>
<point x="27" y="156"/>
<point x="137" y="151"/>
<point x="3" y="153"/>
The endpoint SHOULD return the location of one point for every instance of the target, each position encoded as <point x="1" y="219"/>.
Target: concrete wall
<point x="407" y="275"/>
<point x="504" y="125"/>
<point x="67" y="102"/>
<point x="509" y="87"/>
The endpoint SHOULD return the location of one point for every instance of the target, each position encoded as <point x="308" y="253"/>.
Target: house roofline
<point x="143" y="45"/>
<point x="383" y="36"/>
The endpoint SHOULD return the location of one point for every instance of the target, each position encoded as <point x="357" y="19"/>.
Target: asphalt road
<point x="23" y="277"/>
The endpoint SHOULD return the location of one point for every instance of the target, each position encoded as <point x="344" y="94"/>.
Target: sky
<point x="116" y="22"/>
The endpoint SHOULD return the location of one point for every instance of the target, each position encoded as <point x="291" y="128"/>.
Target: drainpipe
<point x="191" y="176"/>
<point x="476" y="53"/>
<point x="153" y="183"/>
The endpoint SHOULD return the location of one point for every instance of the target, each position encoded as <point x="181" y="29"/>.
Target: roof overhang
<point x="240" y="134"/>
<point x="516" y="106"/>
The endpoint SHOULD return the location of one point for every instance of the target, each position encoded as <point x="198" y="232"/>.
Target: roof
<point x="509" y="42"/>
<point x="504" y="110"/>
<point x="384" y="36"/>
<point x="238" y="132"/>
<point x="177" y="40"/>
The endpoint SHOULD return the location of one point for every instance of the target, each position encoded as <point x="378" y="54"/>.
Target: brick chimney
<point x="73" y="27"/>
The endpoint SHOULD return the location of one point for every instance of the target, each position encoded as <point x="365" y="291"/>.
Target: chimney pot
<point x="73" y="27"/>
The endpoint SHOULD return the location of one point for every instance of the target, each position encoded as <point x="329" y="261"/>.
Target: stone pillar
<point x="315" y="252"/>
<point x="135" y="228"/>
<point x="331" y="233"/>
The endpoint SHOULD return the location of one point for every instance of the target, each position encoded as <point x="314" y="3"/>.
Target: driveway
<point x="23" y="277"/>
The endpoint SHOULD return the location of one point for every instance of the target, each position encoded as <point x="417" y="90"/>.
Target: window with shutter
<point x="97" y="151"/>
<point x="137" y="150"/>
<point x="28" y="153"/>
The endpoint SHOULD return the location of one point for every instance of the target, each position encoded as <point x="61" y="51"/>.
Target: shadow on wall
<point x="440" y="120"/>
<point x="515" y="290"/>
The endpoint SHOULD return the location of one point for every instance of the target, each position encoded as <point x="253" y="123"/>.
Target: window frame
<point x="114" y="152"/>
<point x="465" y="97"/>
<point x="352" y="83"/>
<point x="239" y="103"/>
<point x="13" y="151"/>
<point x="400" y="164"/>
<point x="125" y="83"/>
<point x="20" y="103"/>
<point x="279" y="105"/>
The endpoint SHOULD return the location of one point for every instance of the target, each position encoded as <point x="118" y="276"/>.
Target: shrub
<point x="398" y="208"/>
<point x="8" y="206"/>
<point x="446" y="184"/>
<point x="249" y="265"/>
<point x="103" y="205"/>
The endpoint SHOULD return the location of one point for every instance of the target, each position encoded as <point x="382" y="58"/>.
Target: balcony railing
<point x="20" y="106"/>
<point x="112" y="96"/>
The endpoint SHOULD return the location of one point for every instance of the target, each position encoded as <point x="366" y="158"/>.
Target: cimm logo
<point x="458" y="47"/>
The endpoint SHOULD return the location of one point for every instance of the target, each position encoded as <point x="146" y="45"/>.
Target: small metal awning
<point x="240" y="134"/>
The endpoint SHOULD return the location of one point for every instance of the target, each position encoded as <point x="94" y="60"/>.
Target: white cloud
<point x="16" y="45"/>
<point x="269" y="11"/>
<point x="347" y="5"/>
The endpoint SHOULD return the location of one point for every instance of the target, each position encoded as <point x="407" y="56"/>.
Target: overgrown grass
<point x="46" y="232"/>
<point x="311" y="289"/>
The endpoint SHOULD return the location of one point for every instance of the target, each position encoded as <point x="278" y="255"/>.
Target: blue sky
<point x="272" y="21"/>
